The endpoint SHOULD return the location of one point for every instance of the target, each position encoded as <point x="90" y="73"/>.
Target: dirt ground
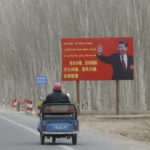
<point x="137" y="129"/>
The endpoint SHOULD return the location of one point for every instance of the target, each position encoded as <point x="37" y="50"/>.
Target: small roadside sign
<point x="41" y="80"/>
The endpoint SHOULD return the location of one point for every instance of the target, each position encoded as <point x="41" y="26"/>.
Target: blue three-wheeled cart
<point x="57" y="121"/>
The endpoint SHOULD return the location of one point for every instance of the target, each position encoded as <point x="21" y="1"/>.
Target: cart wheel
<point x="42" y="138"/>
<point x="54" y="139"/>
<point x="74" y="139"/>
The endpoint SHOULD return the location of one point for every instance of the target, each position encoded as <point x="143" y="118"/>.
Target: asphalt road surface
<point x="18" y="132"/>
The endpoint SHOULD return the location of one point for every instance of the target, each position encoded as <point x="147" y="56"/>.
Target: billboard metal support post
<point x="117" y="97"/>
<point x="78" y="96"/>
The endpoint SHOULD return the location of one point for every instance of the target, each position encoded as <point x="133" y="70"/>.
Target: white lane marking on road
<point x="20" y="125"/>
<point x="66" y="147"/>
<point x="32" y="131"/>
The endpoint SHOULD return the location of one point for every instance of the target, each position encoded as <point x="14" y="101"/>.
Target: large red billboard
<point x="107" y="58"/>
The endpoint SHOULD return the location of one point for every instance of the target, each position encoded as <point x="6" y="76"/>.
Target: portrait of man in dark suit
<point x="121" y="62"/>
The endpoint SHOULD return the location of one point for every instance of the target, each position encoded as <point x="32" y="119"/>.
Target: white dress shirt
<point x="125" y="59"/>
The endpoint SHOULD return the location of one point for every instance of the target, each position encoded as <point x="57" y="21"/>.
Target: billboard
<point x="103" y="58"/>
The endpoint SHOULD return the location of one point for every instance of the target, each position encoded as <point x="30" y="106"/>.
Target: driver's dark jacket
<point x="56" y="97"/>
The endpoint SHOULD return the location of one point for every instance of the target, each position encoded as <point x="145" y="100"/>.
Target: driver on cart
<point x="57" y="96"/>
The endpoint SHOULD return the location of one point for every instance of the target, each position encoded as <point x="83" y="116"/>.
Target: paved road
<point x="18" y="132"/>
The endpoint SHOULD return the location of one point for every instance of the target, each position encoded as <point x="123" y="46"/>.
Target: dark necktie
<point x="123" y="64"/>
